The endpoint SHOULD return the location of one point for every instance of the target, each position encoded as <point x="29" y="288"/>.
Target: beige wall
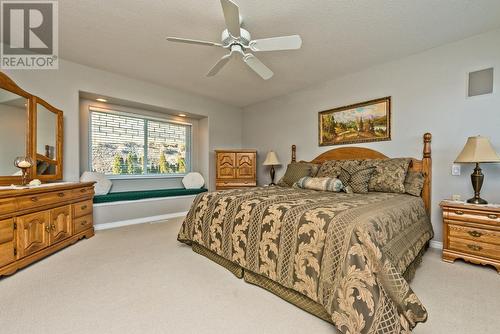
<point x="429" y="94"/>
<point x="62" y="87"/>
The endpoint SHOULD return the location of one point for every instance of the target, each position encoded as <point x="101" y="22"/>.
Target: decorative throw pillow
<point x="320" y="183"/>
<point x="102" y="184"/>
<point x="294" y="172"/>
<point x="414" y="183"/>
<point x="356" y="178"/>
<point x="193" y="180"/>
<point x="389" y="175"/>
<point x="332" y="168"/>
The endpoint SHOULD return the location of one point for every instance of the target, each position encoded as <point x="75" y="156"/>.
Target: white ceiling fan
<point x="237" y="40"/>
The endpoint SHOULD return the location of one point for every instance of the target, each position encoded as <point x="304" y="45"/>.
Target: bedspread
<point x="346" y="252"/>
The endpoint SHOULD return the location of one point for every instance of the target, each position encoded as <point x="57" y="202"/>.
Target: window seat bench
<point x="144" y="194"/>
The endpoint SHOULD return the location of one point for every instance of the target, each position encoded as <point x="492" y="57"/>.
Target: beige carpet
<point x="139" y="279"/>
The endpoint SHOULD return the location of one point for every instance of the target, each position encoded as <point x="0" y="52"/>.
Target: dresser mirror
<point x="29" y="127"/>
<point x="48" y="141"/>
<point x="14" y="119"/>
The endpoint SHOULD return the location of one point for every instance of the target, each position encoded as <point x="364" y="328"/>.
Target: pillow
<point x="320" y="183"/>
<point x="414" y="183"/>
<point x="294" y="172"/>
<point x="332" y="168"/>
<point x="193" y="181"/>
<point x="102" y="184"/>
<point x="356" y="178"/>
<point x="389" y="175"/>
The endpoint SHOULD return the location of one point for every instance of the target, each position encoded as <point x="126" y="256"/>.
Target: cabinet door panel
<point x="60" y="224"/>
<point x="33" y="232"/>
<point x="6" y="242"/>
<point x="246" y="165"/>
<point x="226" y="165"/>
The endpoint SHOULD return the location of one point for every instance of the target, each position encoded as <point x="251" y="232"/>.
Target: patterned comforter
<point x="346" y="252"/>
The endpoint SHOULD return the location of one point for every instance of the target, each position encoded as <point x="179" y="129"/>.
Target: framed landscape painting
<point x="358" y="123"/>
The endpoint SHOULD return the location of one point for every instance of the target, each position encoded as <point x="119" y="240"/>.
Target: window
<point x="125" y="144"/>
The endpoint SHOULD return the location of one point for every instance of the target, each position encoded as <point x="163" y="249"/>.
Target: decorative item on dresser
<point x="235" y="169"/>
<point x="477" y="149"/>
<point x="36" y="222"/>
<point x="471" y="232"/>
<point x="272" y="160"/>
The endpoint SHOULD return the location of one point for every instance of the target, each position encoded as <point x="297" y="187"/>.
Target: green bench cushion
<point x="143" y="194"/>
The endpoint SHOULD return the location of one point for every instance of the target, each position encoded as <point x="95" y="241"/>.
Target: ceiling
<point x="128" y="37"/>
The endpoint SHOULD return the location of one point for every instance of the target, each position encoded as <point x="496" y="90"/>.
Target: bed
<point x="346" y="258"/>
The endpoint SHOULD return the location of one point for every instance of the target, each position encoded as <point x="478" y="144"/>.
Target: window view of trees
<point x="121" y="143"/>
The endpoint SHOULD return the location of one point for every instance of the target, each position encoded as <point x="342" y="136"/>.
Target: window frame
<point x="189" y="141"/>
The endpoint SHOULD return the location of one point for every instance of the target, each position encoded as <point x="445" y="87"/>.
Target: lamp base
<point x="477" y="200"/>
<point x="477" y="179"/>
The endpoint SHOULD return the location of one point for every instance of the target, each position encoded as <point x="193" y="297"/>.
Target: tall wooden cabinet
<point x="39" y="221"/>
<point x="235" y="169"/>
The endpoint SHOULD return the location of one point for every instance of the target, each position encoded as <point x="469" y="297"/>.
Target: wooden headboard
<point x="423" y="165"/>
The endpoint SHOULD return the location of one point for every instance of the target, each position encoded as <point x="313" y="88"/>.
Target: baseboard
<point x="144" y="220"/>
<point x="436" y="244"/>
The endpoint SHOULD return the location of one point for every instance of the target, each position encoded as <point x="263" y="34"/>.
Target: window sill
<point x="139" y="177"/>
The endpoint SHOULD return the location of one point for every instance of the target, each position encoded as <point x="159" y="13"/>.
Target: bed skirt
<point x="287" y="294"/>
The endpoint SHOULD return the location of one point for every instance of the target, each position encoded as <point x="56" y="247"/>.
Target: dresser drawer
<point x="82" y="208"/>
<point x="27" y="202"/>
<point x="236" y="184"/>
<point x="473" y="233"/>
<point x="7" y="206"/>
<point x="473" y="216"/>
<point x="82" y="223"/>
<point x="81" y="192"/>
<point x="475" y="247"/>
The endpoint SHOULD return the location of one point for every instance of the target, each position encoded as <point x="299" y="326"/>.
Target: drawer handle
<point x="83" y="190"/>
<point x="475" y="234"/>
<point x="83" y="223"/>
<point x="34" y="199"/>
<point x="492" y="216"/>
<point x="83" y="207"/>
<point x="60" y="194"/>
<point x="53" y="227"/>
<point x="47" y="228"/>
<point x="458" y="212"/>
<point x="475" y="247"/>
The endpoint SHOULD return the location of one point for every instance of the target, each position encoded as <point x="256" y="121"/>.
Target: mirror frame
<point x="59" y="142"/>
<point x="9" y="85"/>
<point x="31" y="134"/>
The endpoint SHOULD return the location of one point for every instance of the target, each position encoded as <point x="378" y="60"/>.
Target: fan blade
<point x="232" y="17"/>
<point x="192" y="41"/>
<point x="220" y="64"/>
<point x="255" y="64"/>
<point x="277" y="43"/>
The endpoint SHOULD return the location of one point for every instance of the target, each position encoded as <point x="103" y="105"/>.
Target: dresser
<point x="37" y="222"/>
<point x="235" y="169"/>
<point x="471" y="232"/>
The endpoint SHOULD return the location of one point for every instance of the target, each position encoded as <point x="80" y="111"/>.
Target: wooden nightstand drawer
<point x="476" y="248"/>
<point x="473" y="216"/>
<point x="473" y="233"/>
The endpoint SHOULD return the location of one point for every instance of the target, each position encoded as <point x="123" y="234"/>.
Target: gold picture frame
<point x="363" y="122"/>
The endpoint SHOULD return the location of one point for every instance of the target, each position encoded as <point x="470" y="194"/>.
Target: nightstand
<point x="471" y="232"/>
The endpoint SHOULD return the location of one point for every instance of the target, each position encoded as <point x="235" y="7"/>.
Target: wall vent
<point x="481" y="82"/>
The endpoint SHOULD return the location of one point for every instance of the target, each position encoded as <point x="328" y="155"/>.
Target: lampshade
<point x="271" y="159"/>
<point x="478" y="149"/>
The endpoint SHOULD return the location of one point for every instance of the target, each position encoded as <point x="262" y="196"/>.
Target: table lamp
<point x="477" y="150"/>
<point x="271" y="160"/>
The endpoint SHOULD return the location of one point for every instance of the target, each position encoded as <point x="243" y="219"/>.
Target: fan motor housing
<point x="244" y="38"/>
